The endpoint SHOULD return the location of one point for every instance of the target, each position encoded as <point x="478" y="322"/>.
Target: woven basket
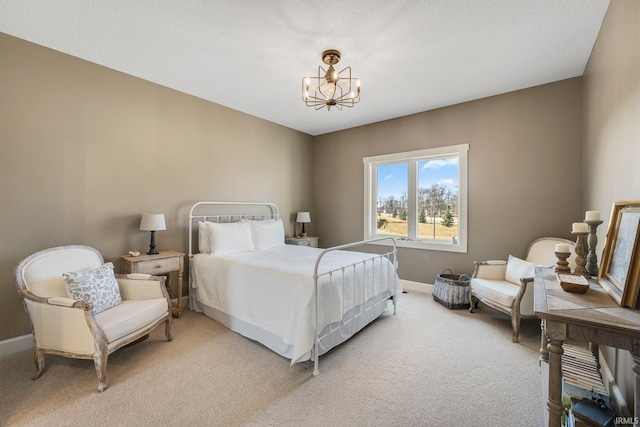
<point x="452" y="290"/>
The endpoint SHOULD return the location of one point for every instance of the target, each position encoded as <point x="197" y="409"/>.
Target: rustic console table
<point x="592" y="317"/>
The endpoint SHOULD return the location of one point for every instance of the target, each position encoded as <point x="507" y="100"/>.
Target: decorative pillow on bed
<point x="204" y="241"/>
<point x="517" y="268"/>
<point x="98" y="286"/>
<point x="230" y="238"/>
<point x="267" y="234"/>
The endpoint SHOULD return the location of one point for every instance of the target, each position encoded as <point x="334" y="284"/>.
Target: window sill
<point x="416" y="244"/>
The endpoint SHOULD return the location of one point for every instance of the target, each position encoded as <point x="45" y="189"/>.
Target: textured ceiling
<point x="410" y="55"/>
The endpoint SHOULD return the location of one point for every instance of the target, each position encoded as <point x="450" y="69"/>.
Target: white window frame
<point x="370" y="195"/>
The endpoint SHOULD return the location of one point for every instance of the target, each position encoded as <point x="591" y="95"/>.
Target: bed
<point x="296" y="300"/>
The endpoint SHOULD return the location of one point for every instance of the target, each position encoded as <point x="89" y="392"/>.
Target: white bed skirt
<point x="275" y="343"/>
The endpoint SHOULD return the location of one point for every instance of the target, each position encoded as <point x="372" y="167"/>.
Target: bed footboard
<point x="385" y="271"/>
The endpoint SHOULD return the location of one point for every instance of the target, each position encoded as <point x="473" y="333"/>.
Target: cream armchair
<point x="507" y="286"/>
<point x="67" y="327"/>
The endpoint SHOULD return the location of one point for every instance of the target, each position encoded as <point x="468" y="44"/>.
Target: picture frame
<point x="619" y="272"/>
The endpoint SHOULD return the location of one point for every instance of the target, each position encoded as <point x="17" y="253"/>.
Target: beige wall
<point x="84" y="150"/>
<point x="612" y="133"/>
<point x="524" y="173"/>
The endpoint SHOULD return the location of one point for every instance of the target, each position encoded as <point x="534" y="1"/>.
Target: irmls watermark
<point x="621" y="421"/>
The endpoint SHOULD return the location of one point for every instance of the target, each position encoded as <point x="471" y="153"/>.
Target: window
<point x="418" y="197"/>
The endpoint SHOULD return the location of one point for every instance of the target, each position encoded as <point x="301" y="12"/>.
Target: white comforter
<point x="274" y="289"/>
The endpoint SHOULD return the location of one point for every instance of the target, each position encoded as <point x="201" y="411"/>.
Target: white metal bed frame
<point x="274" y="213"/>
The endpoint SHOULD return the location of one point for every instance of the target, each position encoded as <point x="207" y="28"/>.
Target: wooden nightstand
<point x="302" y="241"/>
<point x="166" y="262"/>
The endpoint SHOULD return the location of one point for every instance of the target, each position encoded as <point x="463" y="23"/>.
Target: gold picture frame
<point x="619" y="272"/>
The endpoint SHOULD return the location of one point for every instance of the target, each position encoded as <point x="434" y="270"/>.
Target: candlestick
<point x="562" y="265"/>
<point x="581" y="253"/>
<point x="580" y="227"/>
<point x="563" y="248"/>
<point x="592" y="258"/>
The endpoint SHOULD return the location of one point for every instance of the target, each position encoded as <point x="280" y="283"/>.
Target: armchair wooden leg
<point x="100" y="361"/>
<point x="515" y="324"/>
<point x="472" y="302"/>
<point x="38" y="360"/>
<point x="167" y="328"/>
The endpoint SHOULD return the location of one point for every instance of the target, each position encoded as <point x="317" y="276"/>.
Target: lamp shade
<point x="303" y="217"/>
<point x="152" y="222"/>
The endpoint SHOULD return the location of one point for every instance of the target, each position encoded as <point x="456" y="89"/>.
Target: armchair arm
<point x="34" y="301"/>
<point x="524" y="298"/>
<point x="65" y="302"/>
<point x="59" y="326"/>
<point x="138" y="288"/>
<point x="493" y="270"/>
<point x="70" y="302"/>
<point x="525" y="281"/>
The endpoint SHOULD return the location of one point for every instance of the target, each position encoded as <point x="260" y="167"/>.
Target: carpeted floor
<point x="427" y="366"/>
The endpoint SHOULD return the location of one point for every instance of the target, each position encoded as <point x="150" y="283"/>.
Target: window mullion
<point x="373" y="202"/>
<point x="412" y="196"/>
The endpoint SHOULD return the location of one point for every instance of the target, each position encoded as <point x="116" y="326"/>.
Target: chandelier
<point x="331" y="88"/>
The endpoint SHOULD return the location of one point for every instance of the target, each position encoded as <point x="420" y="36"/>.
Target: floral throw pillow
<point x="98" y="286"/>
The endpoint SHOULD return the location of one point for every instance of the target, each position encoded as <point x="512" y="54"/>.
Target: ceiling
<point x="251" y="55"/>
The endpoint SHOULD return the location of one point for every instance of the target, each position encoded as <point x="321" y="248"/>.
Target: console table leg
<point x="595" y="350"/>
<point x="544" y="353"/>
<point x="555" y="382"/>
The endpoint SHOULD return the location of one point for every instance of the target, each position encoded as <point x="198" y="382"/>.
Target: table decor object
<point x="573" y="283"/>
<point x="580" y="230"/>
<point x="152" y="223"/>
<point x="592" y="219"/>
<point x="619" y="273"/>
<point x="303" y="218"/>
<point x="562" y="253"/>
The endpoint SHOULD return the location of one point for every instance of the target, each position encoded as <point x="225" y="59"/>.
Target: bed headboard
<point x="227" y="212"/>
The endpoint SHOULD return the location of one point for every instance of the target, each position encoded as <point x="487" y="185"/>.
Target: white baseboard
<point x="185" y="302"/>
<point x="409" y="285"/>
<point x="25" y="342"/>
<point x="13" y="345"/>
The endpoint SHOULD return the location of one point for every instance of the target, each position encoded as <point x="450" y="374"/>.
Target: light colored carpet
<point x="427" y="366"/>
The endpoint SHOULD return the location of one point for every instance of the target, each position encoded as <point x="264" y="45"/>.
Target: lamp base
<point x="302" y="235"/>
<point x="152" y="246"/>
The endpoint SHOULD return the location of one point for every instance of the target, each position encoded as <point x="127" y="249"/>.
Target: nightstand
<point x="166" y="262"/>
<point x="302" y="241"/>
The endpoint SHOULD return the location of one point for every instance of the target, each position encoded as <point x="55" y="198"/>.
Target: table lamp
<point x="152" y="223"/>
<point x="303" y="218"/>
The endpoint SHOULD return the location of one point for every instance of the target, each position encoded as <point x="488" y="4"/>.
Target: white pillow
<point x="204" y="241"/>
<point x="230" y="238"/>
<point x="98" y="286"/>
<point x="517" y="268"/>
<point x="267" y="234"/>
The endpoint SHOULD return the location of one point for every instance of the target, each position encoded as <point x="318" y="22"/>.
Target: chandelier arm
<point x="346" y="97"/>
<point x="348" y="67"/>
<point x="315" y="100"/>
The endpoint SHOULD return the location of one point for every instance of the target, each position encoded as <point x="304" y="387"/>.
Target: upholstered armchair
<point x="507" y="286"/>
<point x="107" y="312"/>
